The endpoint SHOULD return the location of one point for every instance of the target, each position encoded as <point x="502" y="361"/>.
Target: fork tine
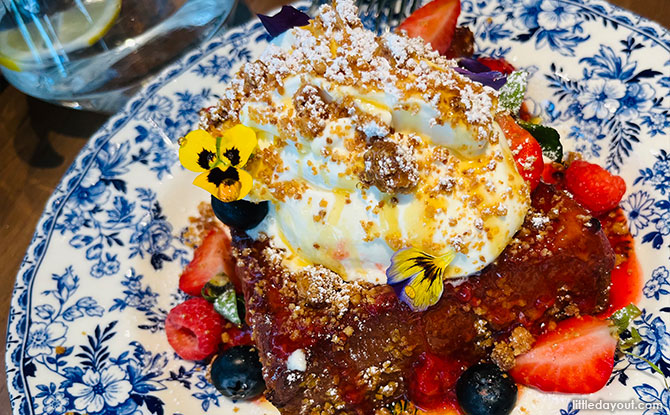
<point x="381" y="17"/>
<point x="386" y="13"/>
<point x="363" y="7"/>
<point x="398" y="13"/>
<point x="316" y="4"/>
<point x="390" y="7"/>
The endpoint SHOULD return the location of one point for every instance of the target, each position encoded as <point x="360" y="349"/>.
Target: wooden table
<point x="38" y="142"/>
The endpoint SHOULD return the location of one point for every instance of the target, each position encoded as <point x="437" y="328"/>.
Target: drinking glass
<point x="92" y="54"/>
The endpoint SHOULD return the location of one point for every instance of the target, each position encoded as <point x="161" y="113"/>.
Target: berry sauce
<point x="626" y="285"/>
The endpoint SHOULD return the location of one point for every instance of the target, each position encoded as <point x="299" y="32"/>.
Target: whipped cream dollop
<point x="368" y="145"/>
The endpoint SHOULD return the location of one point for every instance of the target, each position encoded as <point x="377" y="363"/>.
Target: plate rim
<point x="40" y="241"/>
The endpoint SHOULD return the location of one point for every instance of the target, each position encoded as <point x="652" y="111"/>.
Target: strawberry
<point x="553" y="174"/>
<point x="525" y="149"/>
<point x="524" y="113"/>
<point x="193" y="329"/>
<point x="210" y="258"/>
<point x="498" y="64"/>
<point x="576" y="357"/>
<point x="594" y="187"/>
<point x="435" y="23"/>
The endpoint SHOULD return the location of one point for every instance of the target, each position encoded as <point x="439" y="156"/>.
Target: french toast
<point x="360" y="344"/>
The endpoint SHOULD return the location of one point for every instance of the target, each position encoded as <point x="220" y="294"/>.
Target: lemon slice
<point x="74" y="28"/>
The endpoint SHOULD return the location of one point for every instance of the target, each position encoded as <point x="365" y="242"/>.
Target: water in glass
<point x="92" y="53"/>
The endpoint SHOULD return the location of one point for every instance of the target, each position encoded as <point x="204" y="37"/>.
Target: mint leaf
<point x="630" y="341"/>
<point x="549" y="140"/>
<point x="226" y="305"/>
<point x="512" y="93"/>
<point x="622" y="318"/>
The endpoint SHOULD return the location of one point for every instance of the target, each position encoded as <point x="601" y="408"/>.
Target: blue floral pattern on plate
<point x="85" y="331"/>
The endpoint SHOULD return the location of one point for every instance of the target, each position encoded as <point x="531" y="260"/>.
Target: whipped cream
<point x="371" y="144"/>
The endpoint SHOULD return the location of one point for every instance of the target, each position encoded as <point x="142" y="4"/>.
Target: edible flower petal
<point x="227" y="185"/>
<point x="494" y="79"/>
<point x="237" y="145"/>
<point x="287" y="18"/>
<point x="197" y="151"/>
<point x="481" y="73"/>
<point x="417" y="276"/>
<point x="220" y="160"/>
<point x="473" y="65"/>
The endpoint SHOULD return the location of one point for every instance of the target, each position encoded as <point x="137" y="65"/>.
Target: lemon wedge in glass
<point x="47" y="37"/>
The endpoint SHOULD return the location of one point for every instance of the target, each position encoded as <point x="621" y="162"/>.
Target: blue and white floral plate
<point x="85" y="331"/>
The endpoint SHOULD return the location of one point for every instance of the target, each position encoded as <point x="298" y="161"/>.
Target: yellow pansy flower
<point x="237" y="144"/>
<point x="220" y="159"/>
<point x="418" y="277"/>
<point x="226" y="185"/>
<point x="197" y="151"/>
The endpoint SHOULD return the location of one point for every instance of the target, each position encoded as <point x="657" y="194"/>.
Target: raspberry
<point x="594" y="187"/>
<point x="434" y="379"/>
<point x="193" y="329"/>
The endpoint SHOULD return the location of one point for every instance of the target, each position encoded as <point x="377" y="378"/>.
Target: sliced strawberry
<point x="193" y="329"/>
<point x="524" y="112"/>
<point x="594" y="187"/>
<point x="435" y="23"/>
<point x="498" y="64"/>
<point x="576" y="357"/>
<point x="213" y="256"/>
<point x="525" y="149"/>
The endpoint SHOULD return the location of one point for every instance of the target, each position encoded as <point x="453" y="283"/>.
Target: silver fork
<point x="378" y="15"/>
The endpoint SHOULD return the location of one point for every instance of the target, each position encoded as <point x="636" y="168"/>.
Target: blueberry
<point x="240" y="214"/>
<point x="484" y="389"/>
<point x="236" y="373"/>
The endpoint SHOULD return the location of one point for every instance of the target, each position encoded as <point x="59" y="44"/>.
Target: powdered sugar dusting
<point x="336" y="48"/>
<point x="328" y="289"/>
